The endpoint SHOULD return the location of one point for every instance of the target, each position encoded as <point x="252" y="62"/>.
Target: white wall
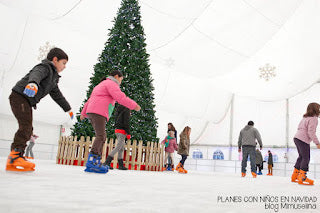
<point x="46" y="145"/>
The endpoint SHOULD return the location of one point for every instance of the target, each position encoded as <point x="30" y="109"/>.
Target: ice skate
<point x="302" y="178"/>
<point x="94" y="165"/>
<point x="254" y="175"/>
<point x="121" y="166"/>
<point x="178" y="166"/>
<point x="243" y="174"/>
<point x="16" y="162"/>
<point x="259" y="173"/>
<point x="182" y="170"/>
<point x="294" y="176"/>
<point x="169" y="168"/>
<point x="108" y="162"/>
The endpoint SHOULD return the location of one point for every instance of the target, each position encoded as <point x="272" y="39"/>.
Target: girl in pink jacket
<point x="98" y="109"/>
<point x="170" y="145"/>
<point x="305" y="134"/>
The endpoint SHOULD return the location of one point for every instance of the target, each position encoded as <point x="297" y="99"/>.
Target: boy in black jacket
<point x="122" y="130"/>
<point x="41" y="80"/>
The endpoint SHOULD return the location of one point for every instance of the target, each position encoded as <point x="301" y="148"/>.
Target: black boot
<point x="108" y="162"/>
<point x="121" y="166"/>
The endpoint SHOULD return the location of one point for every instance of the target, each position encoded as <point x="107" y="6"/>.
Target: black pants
<point x="304" y="155"/>
<point x="259" y="166"/>
<point x="184" y="158"/>
<point x="22" y="110"/>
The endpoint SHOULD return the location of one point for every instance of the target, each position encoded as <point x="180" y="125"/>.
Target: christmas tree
<point x="125" y="50"/>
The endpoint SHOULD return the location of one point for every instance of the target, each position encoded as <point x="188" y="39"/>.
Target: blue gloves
<point x="31" y="90"/>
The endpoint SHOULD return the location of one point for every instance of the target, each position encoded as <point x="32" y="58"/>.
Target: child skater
<point x="172" y="128"/>
<point x="122" y="130"/>
<point x="270" y="163"/>
<point x="259" y="162"/>
<point x="30" y="146"/>
<point x="305" y="134"/>
<point x="170" y="145"/>
<point x="183" y="148"/>
<point x="40" y="81"/>
<point x="99" y="108"/>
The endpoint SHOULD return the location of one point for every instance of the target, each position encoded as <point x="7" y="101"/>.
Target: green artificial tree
<point x="125" y="50"/>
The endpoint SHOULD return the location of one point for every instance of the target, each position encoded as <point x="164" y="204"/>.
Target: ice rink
<point x="60" y="188"/>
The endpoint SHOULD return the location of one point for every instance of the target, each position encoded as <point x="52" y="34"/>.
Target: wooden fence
<point x="136" y="156"/>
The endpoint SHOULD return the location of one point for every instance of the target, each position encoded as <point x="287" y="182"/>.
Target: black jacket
<point x="46" y="77"/>
<point x="122" y="118"/>
<point x="270" y="159"/>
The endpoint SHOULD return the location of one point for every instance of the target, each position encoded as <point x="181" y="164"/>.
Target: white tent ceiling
<point x="201" y="52"/>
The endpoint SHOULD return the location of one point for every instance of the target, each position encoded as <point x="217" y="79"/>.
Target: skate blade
<point x="19" y="169"/>
<point x="95" y="171"/>
<point x="306" y="183"/>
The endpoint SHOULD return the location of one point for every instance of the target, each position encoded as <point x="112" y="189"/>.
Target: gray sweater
<point x="248" y="136"/>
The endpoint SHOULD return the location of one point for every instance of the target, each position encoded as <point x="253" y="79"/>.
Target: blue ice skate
<point x="94" y="165"/>
<point x="169" y="168"/>
<point x="259" y="173"/>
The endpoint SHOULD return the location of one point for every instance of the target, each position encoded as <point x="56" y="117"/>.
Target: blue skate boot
<point x="169" y="167"/>
<point x="94" y="165"/>
<point x="259" y="173"/>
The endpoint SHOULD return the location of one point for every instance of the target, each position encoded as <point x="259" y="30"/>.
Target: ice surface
<point x="60" y="188"/>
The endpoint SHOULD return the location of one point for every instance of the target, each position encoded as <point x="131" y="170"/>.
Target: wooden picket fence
<point x="136" y="156"/>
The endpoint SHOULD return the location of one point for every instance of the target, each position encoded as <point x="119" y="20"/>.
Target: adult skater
<point x="247" y="143"/>
<point x="172" y="128"/>
<point x="40" y="81"/>
<point x="305" y="134"/>
<point x="122" y="130"/>
<point x="183" y="148"/>
<point x="99" y="108"/>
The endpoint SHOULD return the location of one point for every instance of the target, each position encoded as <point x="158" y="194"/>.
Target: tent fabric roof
<point x="201" y="52"/>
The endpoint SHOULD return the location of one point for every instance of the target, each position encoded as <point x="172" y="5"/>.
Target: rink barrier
<point x="136" y="156"/>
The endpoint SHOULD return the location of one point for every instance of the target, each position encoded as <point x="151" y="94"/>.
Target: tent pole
<point x="231" y="127"/>
<point x="287" y="129"/>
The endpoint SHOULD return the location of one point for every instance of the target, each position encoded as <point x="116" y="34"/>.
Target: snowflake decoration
<point x="169" y="62"/>
<point x="44" y="50"/>
<point x="267" y="72"/>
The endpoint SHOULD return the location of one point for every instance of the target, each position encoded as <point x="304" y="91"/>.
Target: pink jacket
<point x="172" y="145"/>
<point x="103" y="98"/>
<point x="307" y="130"/>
